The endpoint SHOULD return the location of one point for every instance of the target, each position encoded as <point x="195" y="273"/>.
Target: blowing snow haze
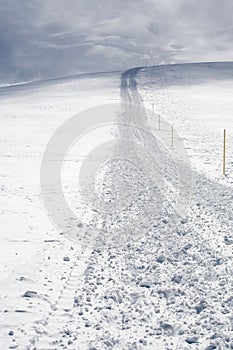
<point x="43" y="39"/>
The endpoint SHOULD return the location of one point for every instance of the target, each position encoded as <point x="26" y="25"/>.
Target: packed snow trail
<point x="168" y="285"/>
<point x="171" y="287"/>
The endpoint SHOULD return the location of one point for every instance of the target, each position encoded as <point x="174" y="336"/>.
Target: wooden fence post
<point x="224" y="152"/>
<point x="172" y="136"/>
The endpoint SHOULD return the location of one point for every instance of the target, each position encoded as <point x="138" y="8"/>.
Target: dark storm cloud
<point x="40" y="39"/>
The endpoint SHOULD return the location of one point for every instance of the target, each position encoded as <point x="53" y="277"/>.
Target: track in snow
<point x="169" y="287"/>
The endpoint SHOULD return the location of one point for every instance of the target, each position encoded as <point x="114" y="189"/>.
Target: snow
<point x="154" y="279"/>
<point x="32" y="251"/>
<point x="197" y="100"/>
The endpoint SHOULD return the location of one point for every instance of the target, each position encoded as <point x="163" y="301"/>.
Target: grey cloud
<point x="41" y="39"/>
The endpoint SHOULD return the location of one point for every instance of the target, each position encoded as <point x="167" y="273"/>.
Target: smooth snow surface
<point x="168" y="284"/>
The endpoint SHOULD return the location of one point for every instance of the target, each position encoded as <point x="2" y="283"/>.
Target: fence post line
<point x="224" y="152"/>
<point x="172" y="136"/>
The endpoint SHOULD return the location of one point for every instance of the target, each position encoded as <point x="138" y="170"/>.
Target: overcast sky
<point x="48" y="38"/>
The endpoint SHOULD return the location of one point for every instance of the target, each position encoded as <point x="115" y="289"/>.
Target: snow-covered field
<point x="197" y="100"/>
<point x="172" y="286"/>
<point x="31" y="250"/>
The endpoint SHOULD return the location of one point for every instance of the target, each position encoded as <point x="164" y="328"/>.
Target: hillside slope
<point x="168" y="281"/>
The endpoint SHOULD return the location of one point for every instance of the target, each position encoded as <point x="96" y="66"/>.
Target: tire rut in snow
<point x="169" y="288"/>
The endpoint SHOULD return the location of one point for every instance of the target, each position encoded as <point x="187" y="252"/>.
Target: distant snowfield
<point x="197" y="100"/>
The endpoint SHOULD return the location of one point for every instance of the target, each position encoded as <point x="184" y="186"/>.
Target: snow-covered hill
<point x="169" y="284"/>
<point x="196" y="98"/>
